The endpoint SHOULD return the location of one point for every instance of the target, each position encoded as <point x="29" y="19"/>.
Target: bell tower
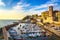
<point x="50" y="18"/>
<point x="50" y="10"/>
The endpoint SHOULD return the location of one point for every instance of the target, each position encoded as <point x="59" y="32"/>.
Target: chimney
<point x="50" y="10"/>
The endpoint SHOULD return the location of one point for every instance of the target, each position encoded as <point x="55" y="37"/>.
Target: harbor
<point x="32" y="27"/>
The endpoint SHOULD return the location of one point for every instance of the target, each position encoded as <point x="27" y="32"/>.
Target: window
<point x="45" y="18"/>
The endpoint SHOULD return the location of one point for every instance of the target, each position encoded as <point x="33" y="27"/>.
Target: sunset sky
<point x="17" y="9"/>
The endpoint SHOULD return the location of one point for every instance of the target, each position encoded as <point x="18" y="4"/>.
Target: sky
<point x="17" y="9"/>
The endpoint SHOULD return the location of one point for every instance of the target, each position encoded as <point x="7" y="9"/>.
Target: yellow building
<point x="58" y="16"/>
<point x="49" y="16"/>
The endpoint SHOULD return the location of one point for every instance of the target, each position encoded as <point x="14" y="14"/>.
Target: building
<point x="49" y="16"/>
<point x="58" y="16"/>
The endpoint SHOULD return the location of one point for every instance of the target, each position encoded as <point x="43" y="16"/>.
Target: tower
<point x="50" y="18"/>
<point x="50" y="10"/>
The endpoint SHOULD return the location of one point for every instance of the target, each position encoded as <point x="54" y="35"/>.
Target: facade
<point x="51" y="15"/>
<point x="58" y="16"/>
<point x="47" y="15"/>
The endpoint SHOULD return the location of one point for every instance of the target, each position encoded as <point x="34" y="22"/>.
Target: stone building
<point x="58" y="16"/>
<point x="51" y="15"/>
<point x="48" y="16"/>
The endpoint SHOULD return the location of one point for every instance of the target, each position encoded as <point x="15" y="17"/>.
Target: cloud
<point x="54" y="1"/>
<point x="19" y="11"/>
<point x="43" y="7"/>
<point x="34" y="9"/>
<point x="11" y="14"/>
<point x="21" y="6"/>
<point x="40" y="8"/>
<point x="47" y="4"/>
<point x="2" y="3"/>
<point x="16" y="13"/>
<point x="56" y="4"/>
